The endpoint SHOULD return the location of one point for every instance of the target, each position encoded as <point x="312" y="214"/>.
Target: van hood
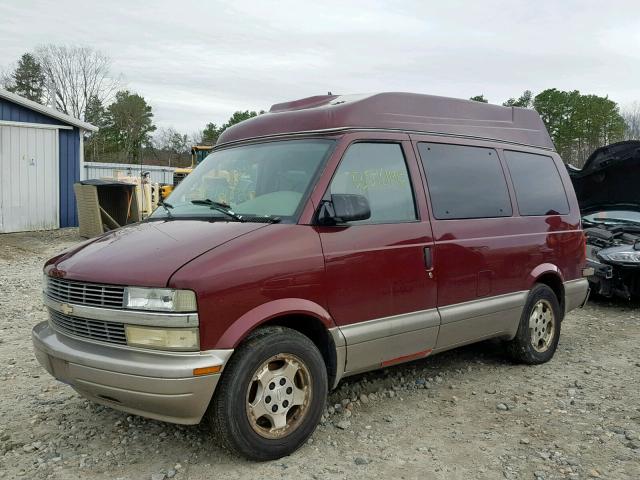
<point x="144" y="254"/>
<point x="609" y="178"/>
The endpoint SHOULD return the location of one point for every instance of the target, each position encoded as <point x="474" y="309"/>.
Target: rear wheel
<point x="271" y="394"/>
<point x="539" y="330"/>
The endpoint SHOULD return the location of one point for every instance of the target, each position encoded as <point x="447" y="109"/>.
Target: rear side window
<point x="465" y="182"/>
<point x="537" y="183"/>
<point x="379" y="172"/>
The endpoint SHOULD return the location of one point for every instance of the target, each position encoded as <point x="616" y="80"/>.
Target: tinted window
<point x="379" y="172"/>
<point x="537" y="183"/>
<point x="465" y="182"/>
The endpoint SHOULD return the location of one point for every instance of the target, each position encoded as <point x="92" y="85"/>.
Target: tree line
<point x="579" y="123"/>
<point x="79" y="81"/>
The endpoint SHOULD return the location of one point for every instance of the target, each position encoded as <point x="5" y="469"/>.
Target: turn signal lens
<point x="207" y="370"/>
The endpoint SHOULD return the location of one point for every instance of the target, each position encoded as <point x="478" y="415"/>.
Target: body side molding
<point x="371" y="344"/>
<point x="341" y="355"/>
<point x="376" y="343"/>
<point x="467" y="322"/>
<point x="482" y="306"/>
<point x="388" y="326"/>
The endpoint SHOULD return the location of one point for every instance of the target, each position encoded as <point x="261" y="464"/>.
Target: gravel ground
<point x="464" y="414"/>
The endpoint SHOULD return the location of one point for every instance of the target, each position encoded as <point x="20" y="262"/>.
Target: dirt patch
<point x="464" y="414"/>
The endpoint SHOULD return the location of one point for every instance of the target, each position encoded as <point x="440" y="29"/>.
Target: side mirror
<point x="344" y="207"/>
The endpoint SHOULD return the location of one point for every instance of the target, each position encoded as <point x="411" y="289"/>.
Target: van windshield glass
<point x="252" y="181"/>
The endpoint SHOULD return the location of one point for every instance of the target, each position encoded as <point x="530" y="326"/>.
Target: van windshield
<point x="261" y="180"/>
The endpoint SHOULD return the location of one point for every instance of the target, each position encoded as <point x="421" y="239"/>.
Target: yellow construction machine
<point x="198" y="153"/>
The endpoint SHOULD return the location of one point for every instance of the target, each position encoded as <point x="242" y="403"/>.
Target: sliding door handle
<point x="428" y="258"/>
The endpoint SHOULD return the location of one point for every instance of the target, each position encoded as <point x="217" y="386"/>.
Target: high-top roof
<point x="396" y="111"/>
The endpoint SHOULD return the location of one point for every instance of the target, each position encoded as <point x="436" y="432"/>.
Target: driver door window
<point x="377" y="171"/>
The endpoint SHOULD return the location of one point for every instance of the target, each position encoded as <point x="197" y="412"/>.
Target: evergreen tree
<point x="129" y="123"/>
<point x="578" y="124"/>
<point x="96" y="143"/>
<point x="28" y="79"/>
<point x="525" y="100"/>
<point x="95" y="113"/>
<point x="211" y="132"/>
<point x="479" y="98"/>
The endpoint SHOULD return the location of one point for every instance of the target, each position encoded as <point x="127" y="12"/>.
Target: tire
<point x="539" y="329"/>
<point x="276" y="369"/>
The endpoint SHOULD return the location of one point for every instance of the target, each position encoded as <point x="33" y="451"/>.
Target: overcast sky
<point x="198" y="61"/>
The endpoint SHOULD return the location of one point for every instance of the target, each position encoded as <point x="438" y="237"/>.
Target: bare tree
<point x="631" y="116"/>
<point x="171" y="144"/>
<point x="75" y="75"/>
<point x="6" y="77"/>
<point x="196" y="137"/>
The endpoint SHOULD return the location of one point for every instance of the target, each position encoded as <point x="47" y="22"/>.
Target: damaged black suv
<point x="608" y="191"/>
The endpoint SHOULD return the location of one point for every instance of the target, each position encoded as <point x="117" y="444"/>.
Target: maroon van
<point x="330" y="236"/>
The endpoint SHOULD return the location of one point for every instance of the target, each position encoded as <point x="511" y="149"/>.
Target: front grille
<point x="83" y="327"/>
<point x="80" y="293"/>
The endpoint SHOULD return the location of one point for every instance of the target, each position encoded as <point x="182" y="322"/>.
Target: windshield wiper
<point x="166" y="207"/>
<point x="219" y="207"/>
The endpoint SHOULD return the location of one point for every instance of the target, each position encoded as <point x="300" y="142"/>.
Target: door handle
<point x="428" y="258"/>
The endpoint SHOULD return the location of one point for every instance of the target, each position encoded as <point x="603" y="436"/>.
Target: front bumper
<point x="611" y="280"/>
<point x="153" y="384"/>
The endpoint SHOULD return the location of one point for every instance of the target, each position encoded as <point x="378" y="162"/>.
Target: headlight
<point x="163" y="338"/>
<point x="624" y="257"/>
<point x="160" y="299"/>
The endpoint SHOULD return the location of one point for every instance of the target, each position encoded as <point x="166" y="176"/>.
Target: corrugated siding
<point x="158" y="173"/>
<point x="28" y="179"/>
<point x="17" y="113"/>
<point x="69" y="145"/>
<point x="69" y="174"/>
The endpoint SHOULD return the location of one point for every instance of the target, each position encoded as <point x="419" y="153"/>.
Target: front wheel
<point x="271" y="395"/>
<point x="539" y="330"/>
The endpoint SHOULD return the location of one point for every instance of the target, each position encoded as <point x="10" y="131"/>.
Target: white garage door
<point x="28" y="179"/>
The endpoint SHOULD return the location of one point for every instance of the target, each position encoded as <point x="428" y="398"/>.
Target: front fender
<point x="265" y="312"/>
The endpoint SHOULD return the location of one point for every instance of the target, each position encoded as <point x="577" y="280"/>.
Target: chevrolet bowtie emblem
<point x="66" y="309"/>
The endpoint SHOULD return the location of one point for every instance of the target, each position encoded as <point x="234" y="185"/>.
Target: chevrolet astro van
<point x="330" y="236"/>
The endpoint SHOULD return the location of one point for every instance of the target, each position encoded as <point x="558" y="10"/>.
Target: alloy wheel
<point x="542" y="326"/>
<point x="278" y="396"/>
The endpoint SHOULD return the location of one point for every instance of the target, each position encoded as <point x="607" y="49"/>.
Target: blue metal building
<point x="41" y="157"/>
